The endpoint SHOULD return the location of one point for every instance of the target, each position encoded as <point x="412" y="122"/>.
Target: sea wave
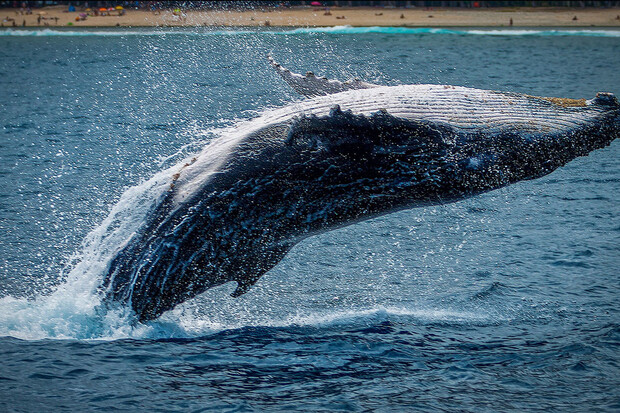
<point x="84" y="32"/>
<point x="454" y="31"/>
<point x="315" y="30"/>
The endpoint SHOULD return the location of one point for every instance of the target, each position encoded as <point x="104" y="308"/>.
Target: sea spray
<point x="72" y="310"/>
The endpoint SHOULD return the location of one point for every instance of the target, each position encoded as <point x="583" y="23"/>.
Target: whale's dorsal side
<point x="311" y="85"/>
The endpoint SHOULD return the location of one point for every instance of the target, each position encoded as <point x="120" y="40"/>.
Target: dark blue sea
<point x="509" y="301"/>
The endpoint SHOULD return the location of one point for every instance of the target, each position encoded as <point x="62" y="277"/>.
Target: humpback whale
<point x="351" y="151"/>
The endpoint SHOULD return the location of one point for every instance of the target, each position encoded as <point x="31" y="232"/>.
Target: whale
<point x="347" y="152"/>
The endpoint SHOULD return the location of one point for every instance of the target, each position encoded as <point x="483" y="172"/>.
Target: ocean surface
<point x="508" y="301"/>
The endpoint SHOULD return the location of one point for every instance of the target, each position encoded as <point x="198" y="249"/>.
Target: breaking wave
<point x="312" y="30"/>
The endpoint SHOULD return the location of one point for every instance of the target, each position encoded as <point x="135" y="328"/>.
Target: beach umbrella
<point x="89" y="9"/>
<point x="83" y="15"/>
<point x="103" y="9"/>
<point x="119" y="7"/>
<point x="315" y="3"/>
<point x="111" y="9"/>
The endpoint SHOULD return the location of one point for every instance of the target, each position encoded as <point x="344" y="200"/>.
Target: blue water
<point x="507" y="301"/>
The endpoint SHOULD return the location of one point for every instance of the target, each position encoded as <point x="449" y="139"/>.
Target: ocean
<point x="508" y="301"/>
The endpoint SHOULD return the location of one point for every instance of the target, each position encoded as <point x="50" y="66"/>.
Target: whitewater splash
<point x="315" y="30"/>
<point x="72" y="310"/>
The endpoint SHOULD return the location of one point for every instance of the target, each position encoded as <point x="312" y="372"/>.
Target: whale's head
<point x="609" y="103"/>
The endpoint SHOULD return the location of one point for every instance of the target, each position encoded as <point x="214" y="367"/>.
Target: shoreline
<point x="56" y="16"/>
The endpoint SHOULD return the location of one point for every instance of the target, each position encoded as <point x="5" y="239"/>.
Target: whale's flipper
<point x="253" y="268"/>
<point x="311" y="86"/>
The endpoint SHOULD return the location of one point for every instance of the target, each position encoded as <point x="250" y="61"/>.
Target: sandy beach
<point x="57" y="16"/>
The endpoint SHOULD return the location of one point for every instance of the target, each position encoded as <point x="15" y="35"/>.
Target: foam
<point x="313" y="30"/>
<point x="73" y="309"/>
<point x="186" y="324"/>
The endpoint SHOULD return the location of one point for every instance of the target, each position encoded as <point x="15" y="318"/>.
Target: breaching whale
<point x="351" y="152"/>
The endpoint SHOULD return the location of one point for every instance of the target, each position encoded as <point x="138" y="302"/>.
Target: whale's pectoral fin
<point x="310" y="85"/>
<point x="255" y="268"/>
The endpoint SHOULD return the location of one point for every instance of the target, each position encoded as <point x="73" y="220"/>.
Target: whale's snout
<point x="606" y="99"/>
<point x="610" y="102"/>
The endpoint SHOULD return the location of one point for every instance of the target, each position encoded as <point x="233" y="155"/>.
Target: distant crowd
<point x="253" y="4"/>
